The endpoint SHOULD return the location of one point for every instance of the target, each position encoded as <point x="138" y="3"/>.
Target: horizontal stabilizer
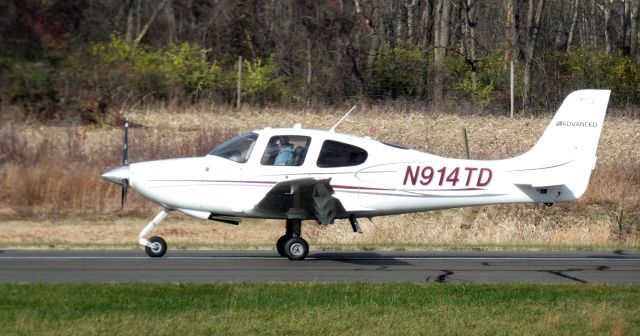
<point x="543" y="184"/>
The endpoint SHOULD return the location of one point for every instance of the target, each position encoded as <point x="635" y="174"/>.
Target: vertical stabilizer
<point x="566" y="152"/>
<point x="576" y="126"/>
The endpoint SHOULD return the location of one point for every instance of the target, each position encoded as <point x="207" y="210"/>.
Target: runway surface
<point x="267" y="266"/>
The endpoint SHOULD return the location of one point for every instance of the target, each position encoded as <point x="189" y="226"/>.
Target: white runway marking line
<point x="613" y="258"/>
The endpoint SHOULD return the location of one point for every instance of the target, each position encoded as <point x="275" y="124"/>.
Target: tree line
<point x="77" y="55"/>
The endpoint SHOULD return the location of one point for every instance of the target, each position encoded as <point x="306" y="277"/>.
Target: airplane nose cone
<point x="118" y="175"/>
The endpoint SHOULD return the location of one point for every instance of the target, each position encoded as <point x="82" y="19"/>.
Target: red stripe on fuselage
<point x="335" y="186"/>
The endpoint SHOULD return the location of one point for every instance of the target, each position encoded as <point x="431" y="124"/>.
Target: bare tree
<point x="605" y="7"/>
<point x="633" y="35"/>
<point x="512" y="30"/>
<point x="626" y="20"/>
<point x="426" y="25"/>
<point x="399" y="10"/>
<point x="575" y="10"/>
<point x="145" y="28"/>
<point x="372" y="42"/>
<point x="441" y="31"/>
<point x="134" y="31"/>
<point x="170" y="19"/>
<point x="130" y="30"/>
<point x="411" y="8"/>
<point x="534" y="15"/>
<point x="469" y="23"/>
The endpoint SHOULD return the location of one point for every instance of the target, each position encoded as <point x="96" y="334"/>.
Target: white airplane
<point x="298" y="174"/>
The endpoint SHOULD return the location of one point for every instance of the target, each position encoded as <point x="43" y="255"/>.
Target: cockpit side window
<point x="237" y="149"/>
<point x="337" y="154"/>
<point x="286" y="150"/>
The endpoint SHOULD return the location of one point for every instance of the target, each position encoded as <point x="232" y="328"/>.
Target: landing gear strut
<point x="291" y="245"/>
<point x="156" y="246"/>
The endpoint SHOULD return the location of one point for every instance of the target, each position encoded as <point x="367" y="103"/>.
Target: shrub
<point x="491" y="83"/>
<point x="261" y="83"/>
<point x="585" y="68"/>
<point x="187" y="64"/>
<point x="150" y="71"/>
<point x="32" y="85"/>
<point x="400" y="71"/>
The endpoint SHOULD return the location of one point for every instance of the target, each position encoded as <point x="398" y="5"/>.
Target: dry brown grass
<point x="486" y="227"/>
<point x="51" y="190"/>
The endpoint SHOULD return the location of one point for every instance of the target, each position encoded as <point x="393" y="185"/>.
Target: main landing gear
<point x="291" y="245"/>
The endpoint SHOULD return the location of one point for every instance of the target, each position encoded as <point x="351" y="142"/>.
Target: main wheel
<point x="280" y="245"/>
<point x="158" y="247"/>
<point x="296" y="248"/>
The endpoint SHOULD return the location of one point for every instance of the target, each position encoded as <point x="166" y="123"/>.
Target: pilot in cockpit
<point x="285" y="155"/>
<point x="279" y="152"/>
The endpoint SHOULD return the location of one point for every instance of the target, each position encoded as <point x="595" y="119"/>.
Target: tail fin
<point x="565" y="155"/>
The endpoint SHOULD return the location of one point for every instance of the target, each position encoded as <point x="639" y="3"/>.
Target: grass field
<point x="318" y="309"/>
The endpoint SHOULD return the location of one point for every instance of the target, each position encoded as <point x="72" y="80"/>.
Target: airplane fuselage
<point x="300" y="174"/>
<point x="391" y="180"/>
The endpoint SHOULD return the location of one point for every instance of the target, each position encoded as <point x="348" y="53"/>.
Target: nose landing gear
<point x="155" y="247"/>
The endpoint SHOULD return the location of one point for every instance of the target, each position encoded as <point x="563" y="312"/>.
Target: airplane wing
<point x="303" y="198"/>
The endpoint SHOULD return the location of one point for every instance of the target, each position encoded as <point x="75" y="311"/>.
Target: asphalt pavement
<point x="266" y="266"/>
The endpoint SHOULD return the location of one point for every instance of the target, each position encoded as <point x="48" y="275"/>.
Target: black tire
<point x="280" y="245"/>
<point x="296" y="248"/>
<point x="159" y="247"/>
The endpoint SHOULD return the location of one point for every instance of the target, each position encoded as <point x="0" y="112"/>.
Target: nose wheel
<point x="156" y="248"/>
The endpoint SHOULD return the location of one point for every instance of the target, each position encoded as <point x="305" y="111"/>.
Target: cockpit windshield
<point x="237" y="149"/>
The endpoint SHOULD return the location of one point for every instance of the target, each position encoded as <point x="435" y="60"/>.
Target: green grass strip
<point x="318" y="309"/>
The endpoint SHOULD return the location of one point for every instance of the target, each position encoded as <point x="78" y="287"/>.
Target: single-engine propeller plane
<point x="297" y="174"/>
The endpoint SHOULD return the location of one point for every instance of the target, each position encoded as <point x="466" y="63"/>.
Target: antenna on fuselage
<point x="333" y="129"/>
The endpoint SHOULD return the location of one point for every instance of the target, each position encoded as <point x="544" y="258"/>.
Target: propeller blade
<point x="125" y="148"/>
<point x="122" y="175"/>
<point x="125" y="190"/>
<point x="125" y="162"/>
